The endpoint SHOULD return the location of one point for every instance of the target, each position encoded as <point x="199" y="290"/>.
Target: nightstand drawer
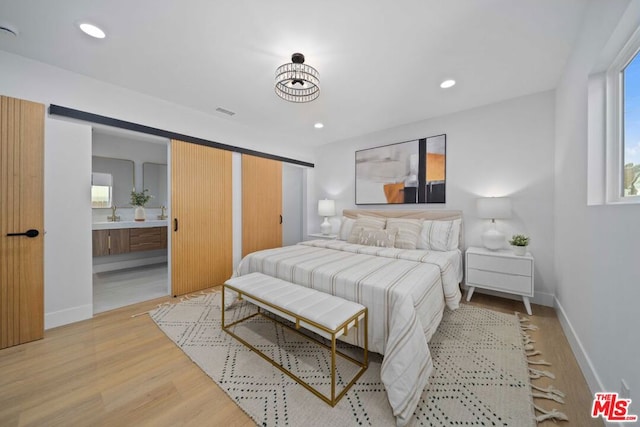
<point x="521" y="285"/>
<point x="510" y="265"/>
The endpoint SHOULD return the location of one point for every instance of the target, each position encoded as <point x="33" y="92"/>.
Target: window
<point x="623" y="124"/>
<point x="100" y="196"/>
<point x="101" y="190"/>
<point x="631" y="127"/>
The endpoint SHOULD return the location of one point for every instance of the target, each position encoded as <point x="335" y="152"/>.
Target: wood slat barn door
<point x="201" y="246"/>
<point x="21" y="210"/>
<point x="261" y="204"/>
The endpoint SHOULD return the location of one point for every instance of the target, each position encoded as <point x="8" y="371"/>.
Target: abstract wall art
<point x="403" y="173"/>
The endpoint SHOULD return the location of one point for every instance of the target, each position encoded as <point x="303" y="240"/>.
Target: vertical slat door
<point x="21" y="209"/>
<point x="261" y="204"/>
<point x="201" y="245"/>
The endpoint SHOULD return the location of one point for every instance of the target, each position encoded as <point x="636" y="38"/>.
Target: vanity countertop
<point x="129" y="224"/>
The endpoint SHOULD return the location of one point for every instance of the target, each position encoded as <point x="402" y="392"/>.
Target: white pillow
<point x="380" y="238"/>
<point x="345" y="228"/>
<point x="408" y="231"/>
<point x="440" y="235"/>
<point x="365" y="222"/>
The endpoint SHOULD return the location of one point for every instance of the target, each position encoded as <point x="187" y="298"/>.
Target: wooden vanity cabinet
<point x="110" y="242"/>
<point x="124" y="240"/>
<point x="147" y="239"/>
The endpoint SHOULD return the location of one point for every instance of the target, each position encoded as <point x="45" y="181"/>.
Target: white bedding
<point x="404" y="290"/>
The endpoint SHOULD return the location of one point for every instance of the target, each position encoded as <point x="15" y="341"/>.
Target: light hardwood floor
<point x="115" y="370"/>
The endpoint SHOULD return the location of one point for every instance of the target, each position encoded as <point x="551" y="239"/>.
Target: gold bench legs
<point x="334" y="351"/>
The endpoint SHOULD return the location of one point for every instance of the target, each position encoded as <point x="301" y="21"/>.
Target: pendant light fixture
<point x="297" y="81"/>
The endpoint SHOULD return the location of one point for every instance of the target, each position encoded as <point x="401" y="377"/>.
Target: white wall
<point x="597" y="270"/>
<point x="35" y="81"/>
<point x="68" y="295"/>
<point x="504" y="149"/>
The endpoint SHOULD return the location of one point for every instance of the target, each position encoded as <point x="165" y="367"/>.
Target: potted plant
<point x="139" y="199"/>
<point x="519" y="243"/>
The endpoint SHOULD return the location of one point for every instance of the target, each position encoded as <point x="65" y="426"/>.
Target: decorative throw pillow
<point x="380" y="238"/>
<point x="440" y="235"/>
<point x="354" y="236"/>
<point x="367" y="223"/>
<point x="345" y="228"/>
<point x="408" y="231"/>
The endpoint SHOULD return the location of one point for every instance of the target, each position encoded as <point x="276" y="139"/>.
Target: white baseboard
<point x="589" y="372"/>
<point x="119" y="265"/>
<point x="66" y="316"/>
<point x="544" y="298"/>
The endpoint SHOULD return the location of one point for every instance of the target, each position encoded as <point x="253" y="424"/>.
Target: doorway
<point x="129" y="245"/>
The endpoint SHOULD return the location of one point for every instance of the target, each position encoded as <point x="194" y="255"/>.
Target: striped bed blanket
<point x="405" y="291"/>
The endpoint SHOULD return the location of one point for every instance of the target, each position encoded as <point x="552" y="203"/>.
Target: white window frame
<point x="614" y="122"/>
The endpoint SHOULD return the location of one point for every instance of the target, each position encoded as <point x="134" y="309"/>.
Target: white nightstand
<point x="501" y="271"/>
<point x="322" y="236"/>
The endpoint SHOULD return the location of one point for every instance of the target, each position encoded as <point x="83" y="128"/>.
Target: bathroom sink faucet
<point x="113" y="217"/>
<point x="163" y="215"/>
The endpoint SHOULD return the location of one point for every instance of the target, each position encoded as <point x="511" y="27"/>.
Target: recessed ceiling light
<point x="447" y="84"/>
<point x="92" y="30"/>
<point x="318" y="125"/>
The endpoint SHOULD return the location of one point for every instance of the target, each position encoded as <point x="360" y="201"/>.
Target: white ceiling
<point x="380" y="62"/>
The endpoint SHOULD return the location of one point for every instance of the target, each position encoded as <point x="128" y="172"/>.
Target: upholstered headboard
<point x="441" y="215"/>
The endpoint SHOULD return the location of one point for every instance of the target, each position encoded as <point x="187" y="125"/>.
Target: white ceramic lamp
<point x="494" y="208"/>
<point x="326" y="208"/>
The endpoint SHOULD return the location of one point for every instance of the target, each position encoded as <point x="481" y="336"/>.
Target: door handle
<point x="280" y="219"/>
<point x="29" y="233"/>
<point x="175" y="224"/>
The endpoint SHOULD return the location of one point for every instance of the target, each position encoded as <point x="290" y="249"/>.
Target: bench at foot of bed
<point x="326" y="315"/>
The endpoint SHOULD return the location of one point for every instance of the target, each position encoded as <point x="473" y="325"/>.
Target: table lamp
<point x="326" y="208"/>
<point x="494" y="208"/>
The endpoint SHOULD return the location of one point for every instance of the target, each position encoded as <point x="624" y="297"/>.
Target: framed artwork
<point x="403" y="173"/>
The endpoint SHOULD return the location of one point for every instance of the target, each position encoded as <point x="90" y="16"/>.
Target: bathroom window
<point x="101" y="190"/>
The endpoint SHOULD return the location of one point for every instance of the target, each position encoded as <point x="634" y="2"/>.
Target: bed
<point x="405" y="290"/>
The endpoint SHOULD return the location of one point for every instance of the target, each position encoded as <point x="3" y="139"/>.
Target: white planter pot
<point x="519" y="250"/>
<point x="139" y="214"/>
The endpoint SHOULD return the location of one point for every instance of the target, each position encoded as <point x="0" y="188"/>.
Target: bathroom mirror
<point x="122" y="171"/>
<point x="154" y="178"/>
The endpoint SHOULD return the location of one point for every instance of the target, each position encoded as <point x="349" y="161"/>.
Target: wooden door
<point x="21" y="210"/>
<point x="261" y="204"/>
<point x="201" y="245"/>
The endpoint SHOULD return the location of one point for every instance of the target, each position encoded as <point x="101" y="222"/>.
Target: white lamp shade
<point x="494" y="207"/>
<point x="102" y="179"/>
<point x="326" y="207"/>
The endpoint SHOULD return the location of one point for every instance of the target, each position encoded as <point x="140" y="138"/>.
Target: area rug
<point x="481" y="374"/>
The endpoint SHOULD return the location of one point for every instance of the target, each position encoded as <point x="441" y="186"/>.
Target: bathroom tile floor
<point x="115" y="289"/>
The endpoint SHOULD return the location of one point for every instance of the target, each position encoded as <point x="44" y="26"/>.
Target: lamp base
<point x="325" y="227"/>
<point x="493" y="239"/>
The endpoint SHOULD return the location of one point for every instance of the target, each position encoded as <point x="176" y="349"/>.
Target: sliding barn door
<point x="261" y="204"/>
<point x="21" y="221"/>
<point x="201" y="251"/>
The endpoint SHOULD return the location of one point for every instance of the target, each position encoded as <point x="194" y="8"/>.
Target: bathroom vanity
<point x="113" y="238"/>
